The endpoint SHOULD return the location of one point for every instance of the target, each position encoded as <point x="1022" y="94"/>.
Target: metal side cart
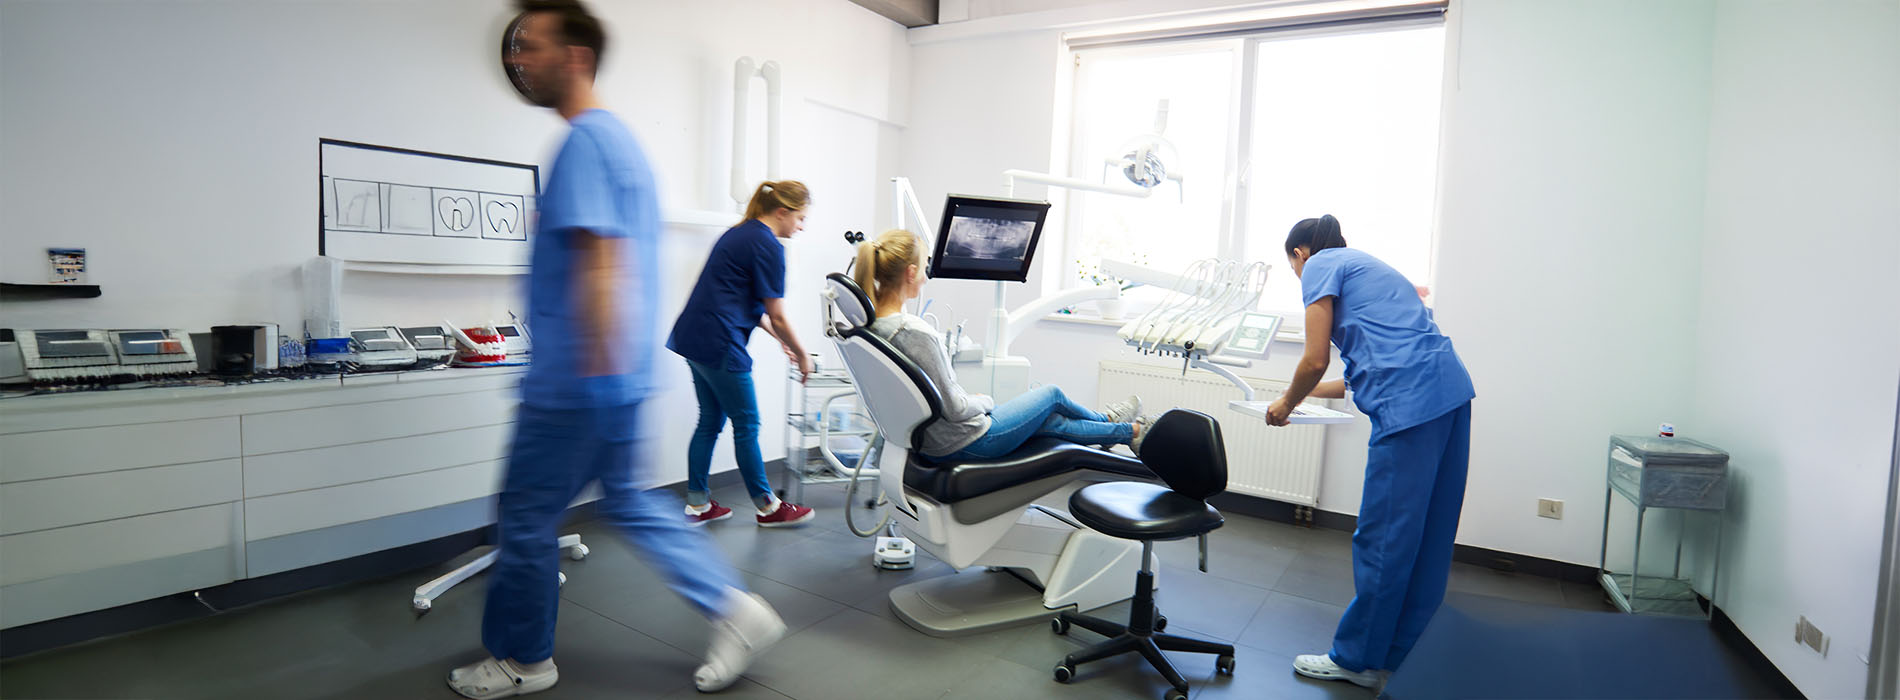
<point x="826" y="433"/>
<point x="1672" y="473"/>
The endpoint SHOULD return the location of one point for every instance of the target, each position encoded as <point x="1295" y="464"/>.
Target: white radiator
<point x="1278" y="463"/>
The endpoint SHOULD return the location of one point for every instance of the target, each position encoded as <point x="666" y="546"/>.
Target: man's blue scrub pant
<point x="556" y="453"/>
<point x="1401" y="552"/>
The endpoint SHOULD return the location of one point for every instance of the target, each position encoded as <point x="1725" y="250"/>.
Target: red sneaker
<point x="713" y="511"/>
<point x="787" y="515"/>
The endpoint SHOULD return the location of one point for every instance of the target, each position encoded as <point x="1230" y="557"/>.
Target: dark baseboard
<point x="1740" y="644"/>
<point x="1490" y="558"/>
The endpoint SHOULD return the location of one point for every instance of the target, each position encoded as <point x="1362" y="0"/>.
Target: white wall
<point x="180" y="151"/>
<point x="1802" y="244"/>
<point x="1599" y="169"/>
<point x="1569" y="236"/>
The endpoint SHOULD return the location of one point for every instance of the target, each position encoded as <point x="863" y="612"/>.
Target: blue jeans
<point x="1401" y="551"/>
<point x="723" y="395"/>
<point x="1043" y="412"/>
<point x="555" y="454"/>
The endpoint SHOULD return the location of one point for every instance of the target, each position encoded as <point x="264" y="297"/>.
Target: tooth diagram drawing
<point x="504" y="217"/>
<point x="458" y="213"/>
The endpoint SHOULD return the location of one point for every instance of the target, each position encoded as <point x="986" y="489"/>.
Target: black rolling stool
<point x="1184" y="448"/>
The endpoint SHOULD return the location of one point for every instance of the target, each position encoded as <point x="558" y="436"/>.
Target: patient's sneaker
<point x="785" y="515"/>
<point x="1141" y="432"/>
<point x="748" y="628"/>
<point x="493" y="678"/>
<point x="1123" y="411"/>
<point x="707" y="513"/>
<point x="1321" y="666"/>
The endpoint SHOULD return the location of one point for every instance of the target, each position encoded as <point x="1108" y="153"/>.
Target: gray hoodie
<point x="966" y="417"/>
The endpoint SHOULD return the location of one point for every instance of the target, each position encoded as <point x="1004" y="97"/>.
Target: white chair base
<point x="428" y="592"/>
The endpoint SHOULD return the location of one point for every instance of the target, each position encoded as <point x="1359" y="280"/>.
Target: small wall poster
<point x="67" y="265"/>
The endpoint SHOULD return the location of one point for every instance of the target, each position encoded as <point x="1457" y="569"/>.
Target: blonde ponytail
<point x="773" y="196"/>
<point x="865" y="272"/>
<point x="882" y="263"/>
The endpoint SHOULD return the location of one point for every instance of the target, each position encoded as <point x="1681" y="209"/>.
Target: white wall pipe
<point x="743" y="71"/>
<point x="771" y="72"/>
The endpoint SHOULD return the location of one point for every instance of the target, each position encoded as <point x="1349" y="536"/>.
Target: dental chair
<point x="1039" y="561"/>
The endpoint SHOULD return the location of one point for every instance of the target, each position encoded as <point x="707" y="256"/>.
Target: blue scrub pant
<point x="724" y="394"/>
<point x="1043" y="412"/>
<point x="1401" y="552"/>
<point x="555" y="454"/>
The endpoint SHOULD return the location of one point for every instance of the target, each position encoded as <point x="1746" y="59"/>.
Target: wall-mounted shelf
<point x="11" y="291"/>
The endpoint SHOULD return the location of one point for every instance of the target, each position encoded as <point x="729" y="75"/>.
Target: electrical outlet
<point x="1550" y="508"/>
<point x="1806" y="633"/>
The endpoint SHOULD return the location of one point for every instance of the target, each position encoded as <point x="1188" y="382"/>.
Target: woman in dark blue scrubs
<point x="741" y="287"/>
<point x="1406" y="378"/>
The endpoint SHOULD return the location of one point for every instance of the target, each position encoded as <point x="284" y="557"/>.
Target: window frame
<point x="1236" y="178"/>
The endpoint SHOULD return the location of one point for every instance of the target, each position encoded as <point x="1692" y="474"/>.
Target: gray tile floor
<point x="1274" y="590"/>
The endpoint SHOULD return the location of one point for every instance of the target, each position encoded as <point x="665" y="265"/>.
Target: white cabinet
<point x="108" y="498"/>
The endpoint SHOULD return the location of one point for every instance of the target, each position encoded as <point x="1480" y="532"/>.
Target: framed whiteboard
<point x="396" y="205"/>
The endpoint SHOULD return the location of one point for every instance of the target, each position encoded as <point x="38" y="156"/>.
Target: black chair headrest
<point x="1185" y="449"/>
<point x="850" y="300"/>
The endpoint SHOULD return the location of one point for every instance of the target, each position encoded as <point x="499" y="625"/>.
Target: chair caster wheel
<point x="577" y="552"/>
<point x="1161" y="623"/>
<point x="1175" y="694"/>
<point x="1064" y="672"/>
<point x="421" y="606"/>
<point x="1059" y="626"/>
<point x="1224" y="664"/>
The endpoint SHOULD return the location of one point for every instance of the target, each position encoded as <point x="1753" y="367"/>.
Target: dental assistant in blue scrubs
<point x="1406" y="378"/>
<point x="741" y="287"/>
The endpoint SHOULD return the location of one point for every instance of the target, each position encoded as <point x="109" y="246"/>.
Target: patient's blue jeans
<point x="1043" y="412"/>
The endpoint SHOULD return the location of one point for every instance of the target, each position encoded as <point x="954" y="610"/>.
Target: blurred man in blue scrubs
<point x="1406" y="378"/>
<point x="591" y="291"/>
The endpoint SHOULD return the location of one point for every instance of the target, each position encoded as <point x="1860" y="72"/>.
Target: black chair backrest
<point x="854" y="308"/>
<point x="1185" y="449"/>
<point x="901" y="399"/>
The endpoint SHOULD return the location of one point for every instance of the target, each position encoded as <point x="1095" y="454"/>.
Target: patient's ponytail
<point x="1315" y="235"/>
<point x="865" y="273"/>
<point x="881" y="263"/>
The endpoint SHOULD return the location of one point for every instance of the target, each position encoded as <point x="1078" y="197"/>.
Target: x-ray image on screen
<point x="987" y="238"/>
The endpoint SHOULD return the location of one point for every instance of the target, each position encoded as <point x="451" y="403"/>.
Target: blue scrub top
<point x="599" y="183"/>
<point x="747" y="267"/>
<point x="1402" y="371"/>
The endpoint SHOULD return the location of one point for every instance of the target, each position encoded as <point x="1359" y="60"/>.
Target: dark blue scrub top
<point x="747" y="266"/>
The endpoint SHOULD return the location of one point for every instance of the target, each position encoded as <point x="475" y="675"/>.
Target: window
<point x="1270" y="129"/>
